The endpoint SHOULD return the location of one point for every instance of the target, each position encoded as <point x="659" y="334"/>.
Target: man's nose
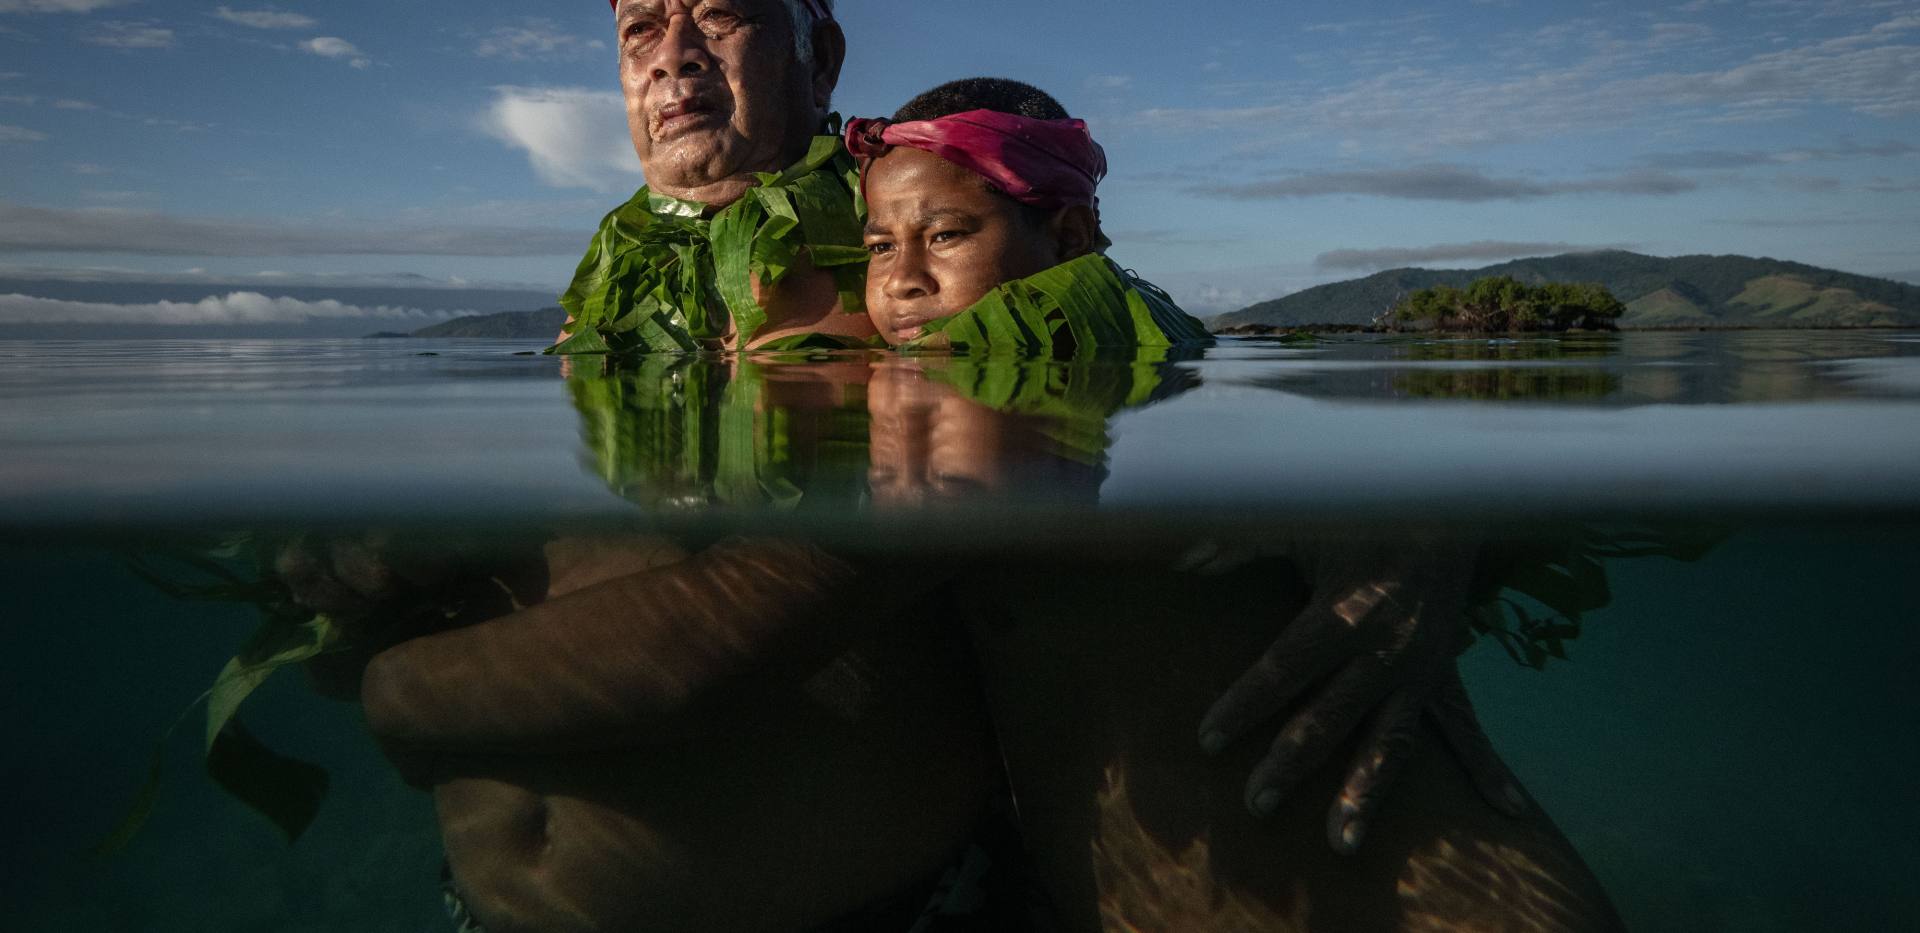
<point x="682" y="51"/>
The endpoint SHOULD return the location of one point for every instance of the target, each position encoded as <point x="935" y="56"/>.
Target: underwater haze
<point x="1692" y="607"/>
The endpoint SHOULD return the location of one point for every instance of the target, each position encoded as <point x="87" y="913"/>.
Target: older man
<point x="718" y="93"/>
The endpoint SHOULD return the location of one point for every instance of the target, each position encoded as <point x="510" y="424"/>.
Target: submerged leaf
<point x="277" y="645"/>
<point x="138" y="812"/>
<point x="285" y="790"/>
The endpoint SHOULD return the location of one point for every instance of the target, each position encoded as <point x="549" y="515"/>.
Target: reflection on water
<point x="847" y="644"/>
<point x="182" y="432"/>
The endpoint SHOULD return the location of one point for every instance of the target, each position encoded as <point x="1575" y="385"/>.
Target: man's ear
<point x="829" y="53"/>
<point x="1075" y="231"/>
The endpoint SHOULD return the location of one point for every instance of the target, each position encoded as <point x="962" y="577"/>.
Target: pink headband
<point x="817" y="7"/>
<point x="1043" y="163"/>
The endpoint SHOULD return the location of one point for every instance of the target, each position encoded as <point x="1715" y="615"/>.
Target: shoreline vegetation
<point x="1503" y="304"/>
<point x="1680" y="292"/>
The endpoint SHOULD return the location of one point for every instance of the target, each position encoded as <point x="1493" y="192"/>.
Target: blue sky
<point x="1257" y="147"/>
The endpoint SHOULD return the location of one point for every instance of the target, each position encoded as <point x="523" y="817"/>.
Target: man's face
<point x="714" y="91"/>
<point x="939" y="241"/>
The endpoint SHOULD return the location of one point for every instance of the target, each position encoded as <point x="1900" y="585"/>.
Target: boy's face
<point x="940" y="241"/>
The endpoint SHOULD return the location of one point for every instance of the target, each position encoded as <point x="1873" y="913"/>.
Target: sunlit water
<point x="1728" y="744"/>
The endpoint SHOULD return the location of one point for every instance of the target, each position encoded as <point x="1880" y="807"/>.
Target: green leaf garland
<point x="1079" y="306"/>
<point x="658" y="270"/>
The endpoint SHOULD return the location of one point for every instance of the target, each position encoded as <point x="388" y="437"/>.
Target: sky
<point x="1257" y="148"/>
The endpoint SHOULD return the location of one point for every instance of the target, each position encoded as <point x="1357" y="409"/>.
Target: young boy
<point x="983" y="228"/>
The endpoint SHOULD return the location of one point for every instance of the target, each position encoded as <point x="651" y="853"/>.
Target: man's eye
<point x="718" y="22"/>
<point x="948" y="236"/>
<point x="876" y="249"/>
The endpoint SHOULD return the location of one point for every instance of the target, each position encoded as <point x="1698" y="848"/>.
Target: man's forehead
<point x="622" y="7"/>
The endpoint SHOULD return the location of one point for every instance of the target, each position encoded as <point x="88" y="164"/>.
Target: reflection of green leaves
<point x="1507" y="384"/>
<point x="680" y="432"/>
<point x="1080" y="306"/>
<point x="1070" y="400"/>
<point x="658" y="272"/>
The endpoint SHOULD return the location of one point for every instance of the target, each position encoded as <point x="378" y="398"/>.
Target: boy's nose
<point x="909" y="279"/>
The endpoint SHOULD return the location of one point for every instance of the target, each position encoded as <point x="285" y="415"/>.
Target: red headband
<point x="817" y="7"/>
<point x="1044" y="163"/>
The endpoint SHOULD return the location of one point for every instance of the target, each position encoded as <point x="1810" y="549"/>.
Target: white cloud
<point x="19" y="100"/>
<point x="122" y="35"/>
<point x="70" y="104"/>
<point x="233" y="308"/>
<point x="20" y="134"/>
<point x="48" y="230"/>
<point x="266" y="19"/>
<point x="534" y="39"/>
<point x="58" y="6"/>
<point x="336" y="47"/>
<point x="1584" y="81"/>
<point x="1109" y="82"/>
<point x="574" y="137"/>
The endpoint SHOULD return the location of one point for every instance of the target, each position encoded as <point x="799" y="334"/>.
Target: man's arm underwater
<point x="615" y="662"/>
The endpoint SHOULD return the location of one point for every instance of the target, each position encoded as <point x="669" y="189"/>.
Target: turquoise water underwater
<point x="1727" y="745"/>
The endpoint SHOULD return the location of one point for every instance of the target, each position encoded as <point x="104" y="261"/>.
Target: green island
<point x="1501" y="303"/>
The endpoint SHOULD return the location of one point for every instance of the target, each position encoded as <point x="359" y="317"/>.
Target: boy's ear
<point x="1075" y="230"/>
<point x="829" y="53"/>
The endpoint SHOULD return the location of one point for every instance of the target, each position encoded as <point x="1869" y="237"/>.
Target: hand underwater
<point x="1375" y="647"/>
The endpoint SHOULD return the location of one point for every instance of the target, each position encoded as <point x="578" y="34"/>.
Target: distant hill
<point x="543" y="324"/>
<point x="1705" y="291"/>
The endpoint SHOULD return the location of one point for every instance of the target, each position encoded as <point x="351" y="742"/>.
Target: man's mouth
<point x="681" y="115"/>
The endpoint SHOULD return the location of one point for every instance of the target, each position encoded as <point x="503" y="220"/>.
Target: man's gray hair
<point x="803" y="23"/>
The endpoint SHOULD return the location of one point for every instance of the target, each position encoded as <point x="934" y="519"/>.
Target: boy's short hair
<point x="1001" y="94"/>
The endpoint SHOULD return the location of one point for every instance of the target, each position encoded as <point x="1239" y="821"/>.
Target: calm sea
<point x="1727" y="741"/>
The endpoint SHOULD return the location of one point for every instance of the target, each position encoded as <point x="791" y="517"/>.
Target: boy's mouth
<point x="909" y="326"/>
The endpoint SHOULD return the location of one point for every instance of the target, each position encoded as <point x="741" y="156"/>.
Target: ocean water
<point x="1725" y="743"/>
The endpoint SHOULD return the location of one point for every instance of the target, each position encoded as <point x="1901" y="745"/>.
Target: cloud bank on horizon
<point x="234" y="308"/>
<point x="1298" y="144"/>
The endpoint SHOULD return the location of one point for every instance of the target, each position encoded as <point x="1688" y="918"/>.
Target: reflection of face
<point x="927" y="442"/>
<point x="940" y="241"/>
<point x="930" y="444"/>
<point x="714" y="92"/>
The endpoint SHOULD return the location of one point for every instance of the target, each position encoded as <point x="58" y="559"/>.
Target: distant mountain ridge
<point x="543" y="324"/>
<point x="1683" y="291"/>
